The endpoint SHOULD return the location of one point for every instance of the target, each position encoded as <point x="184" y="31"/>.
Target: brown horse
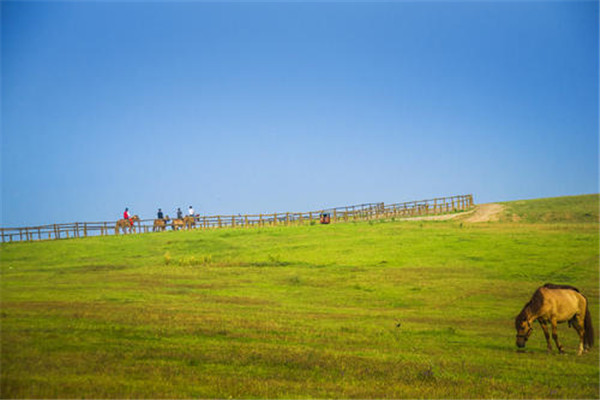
<point x="556" y="304"/>
<point x="160" y="224"/>
<point x="189" y="222"/>
<point x="126" y="225"/>
<point x="177" y="224"/>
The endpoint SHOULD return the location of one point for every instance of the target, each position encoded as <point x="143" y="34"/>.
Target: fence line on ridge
<point x="359" y="212"/>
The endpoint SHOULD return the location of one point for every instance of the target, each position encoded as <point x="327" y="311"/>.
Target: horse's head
<point x="135" y="218"/>
<point x="524" y="329"/>
<point x="167" y="218"/>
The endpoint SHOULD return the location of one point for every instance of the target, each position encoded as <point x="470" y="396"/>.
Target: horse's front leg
<point x="555" y="335"/>
<point x="546" y="334"/>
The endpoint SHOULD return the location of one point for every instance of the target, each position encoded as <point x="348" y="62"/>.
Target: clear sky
<point x="244" y="107"/>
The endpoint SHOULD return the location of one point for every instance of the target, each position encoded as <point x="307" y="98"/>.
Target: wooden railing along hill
<point x="338" y="214"/>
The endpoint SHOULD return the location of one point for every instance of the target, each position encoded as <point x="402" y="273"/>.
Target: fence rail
<point x="339" y="214"/>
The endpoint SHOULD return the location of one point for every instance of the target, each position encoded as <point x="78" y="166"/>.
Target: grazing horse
<point x="177" y="224"/>
<point x="126" y="225"/>
<point x="189" y="222"/>
<point x="555" y="304"/>
<point x="160" y="224"/>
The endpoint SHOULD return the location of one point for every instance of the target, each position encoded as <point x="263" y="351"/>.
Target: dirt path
<point x="486" y="212"/>
<point x="438" y="217"/>
<point x="481" y="213"/>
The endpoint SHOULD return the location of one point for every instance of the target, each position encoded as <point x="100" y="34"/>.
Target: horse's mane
<point x="532" y="307"/>
<point x="553" y="286"/>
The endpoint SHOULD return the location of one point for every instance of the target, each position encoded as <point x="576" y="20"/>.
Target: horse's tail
<point x="588" y="336"/>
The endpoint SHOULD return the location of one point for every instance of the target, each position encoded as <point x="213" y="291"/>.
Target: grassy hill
<point x="573" y="209"/>
<point x="379" y="309"/>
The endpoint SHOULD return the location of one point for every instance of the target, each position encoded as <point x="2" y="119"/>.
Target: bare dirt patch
<point x="481" y="213"/>
<point x="438" y="217"/>
<point x="486" y="212"/>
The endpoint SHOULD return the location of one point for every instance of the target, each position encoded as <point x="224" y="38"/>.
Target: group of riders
<point x="160" y="222"/>
<point x="161" y="216"/>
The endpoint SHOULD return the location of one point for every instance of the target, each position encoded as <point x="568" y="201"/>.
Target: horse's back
<point x="554" y="286"/>
<point x="562" y="303"/>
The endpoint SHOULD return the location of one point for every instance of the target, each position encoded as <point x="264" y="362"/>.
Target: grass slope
<point x="411" y="309"/>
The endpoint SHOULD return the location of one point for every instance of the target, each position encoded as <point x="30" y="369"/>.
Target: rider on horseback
<point x="127" y="216"/>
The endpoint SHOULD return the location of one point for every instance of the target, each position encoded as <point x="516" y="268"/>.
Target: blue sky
<point x="246" y="107"/>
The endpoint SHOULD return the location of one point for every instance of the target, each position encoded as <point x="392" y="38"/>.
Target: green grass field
<point x="379" y="309"/>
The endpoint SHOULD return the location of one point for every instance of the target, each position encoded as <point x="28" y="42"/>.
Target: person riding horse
<point x="127" y="216"/>
<point x="160" y="223"/>
<point x="127" y="223"/>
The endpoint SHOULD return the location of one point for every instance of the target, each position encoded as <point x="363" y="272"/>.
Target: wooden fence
<point x="339" y="214"/>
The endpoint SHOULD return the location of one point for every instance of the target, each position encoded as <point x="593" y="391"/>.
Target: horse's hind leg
<point x="555" y="336"/>
<point x="547" y="335"/>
